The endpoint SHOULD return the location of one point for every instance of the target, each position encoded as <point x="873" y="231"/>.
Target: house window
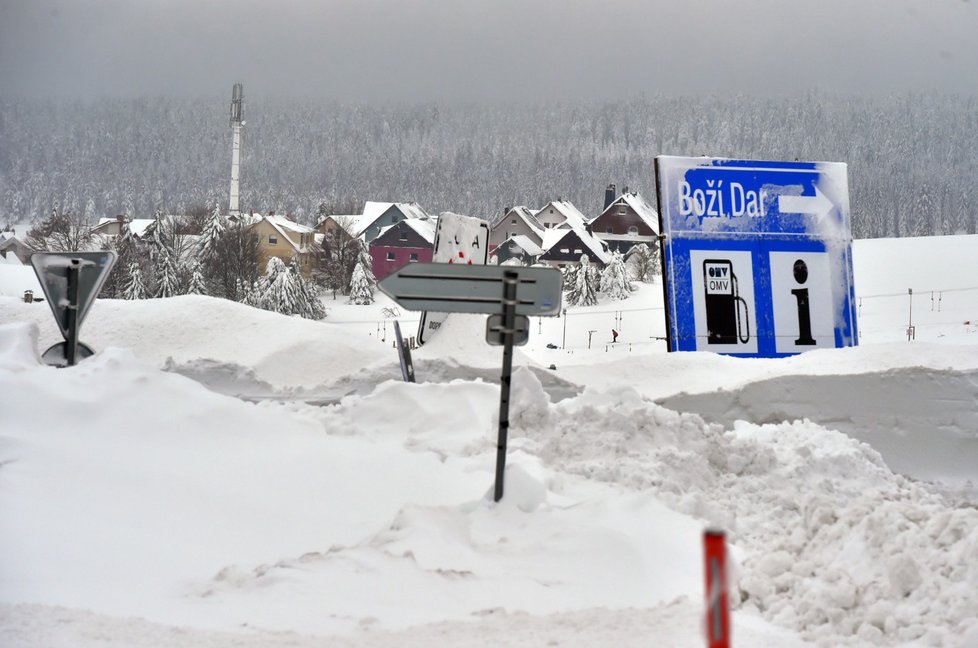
<point x="577" y="251"/>
<point x="414" y="257"/>
<point x="512" y="222"/>
<point x="390" y="256"/>
<point x="272" y="239"/>
<point x="609" y="230"/>
<point x="622" y="211"/>
<point x="633" y="230"/>
<point x="565" y="250"/>
<point x="403" y="236"/>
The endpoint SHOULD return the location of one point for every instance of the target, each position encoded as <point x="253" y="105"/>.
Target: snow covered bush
<point x="614" y="279"/>
<point x="583" y="291"/>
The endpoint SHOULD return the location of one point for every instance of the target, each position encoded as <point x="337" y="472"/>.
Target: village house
<point x="520" y="248"/>
<point x="560" y="214"/>
<point x="564" y="246"/>
<point x="516" y="221"/>
<point x="626" y="221"/>
<point x="407" y="241"/>
<point x="280" y="236"/>
<point x="110" y="228"/>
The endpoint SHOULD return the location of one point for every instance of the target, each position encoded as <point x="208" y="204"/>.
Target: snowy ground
<point x="142" y="503"/>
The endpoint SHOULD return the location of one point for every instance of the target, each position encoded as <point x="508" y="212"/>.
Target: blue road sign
<point x="757" y="256"/>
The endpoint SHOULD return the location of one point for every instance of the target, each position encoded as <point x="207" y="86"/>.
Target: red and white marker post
<point x="717" y="602"/>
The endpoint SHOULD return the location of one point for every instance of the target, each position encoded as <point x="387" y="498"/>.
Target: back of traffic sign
<point x="52" y="270"/>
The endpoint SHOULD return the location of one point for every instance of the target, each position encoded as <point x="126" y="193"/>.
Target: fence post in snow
<point x="717" y="601"/>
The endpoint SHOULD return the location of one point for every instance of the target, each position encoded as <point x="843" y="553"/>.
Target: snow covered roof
<point x="424" y="228"/>
<point x="593" y="243"/>
<point x="283" y="226"/>
<point x="529" y="217"/>
<point x="640" y="206"/>
<point x="286" y="223"/>
<point x="373" y="210"/>
<point x="137" y="226"/>
<point x="525" y="243"/>
<point x="574" y="217"/>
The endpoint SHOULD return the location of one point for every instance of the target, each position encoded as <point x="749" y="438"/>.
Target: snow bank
<point x="835" y="544"/>
<point x="281" y="350"/>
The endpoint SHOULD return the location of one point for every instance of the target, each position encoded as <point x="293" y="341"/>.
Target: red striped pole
<point x="717" y="602"/>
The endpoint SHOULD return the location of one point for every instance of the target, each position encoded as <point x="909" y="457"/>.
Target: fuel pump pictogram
<point x="723" y="301"/>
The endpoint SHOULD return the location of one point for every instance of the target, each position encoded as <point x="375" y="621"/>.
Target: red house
<point x="407" y="241"/>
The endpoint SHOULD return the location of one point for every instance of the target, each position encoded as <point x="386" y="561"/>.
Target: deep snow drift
<point x="141" y="507"/>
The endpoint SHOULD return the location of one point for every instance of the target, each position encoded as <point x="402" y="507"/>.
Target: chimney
<point x="609" y="196"/>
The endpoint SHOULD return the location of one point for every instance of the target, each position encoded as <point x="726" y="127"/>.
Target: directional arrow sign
<point x="450" y="288"/>
<point x="52" y="270"/>
<point x="818" y="205"/>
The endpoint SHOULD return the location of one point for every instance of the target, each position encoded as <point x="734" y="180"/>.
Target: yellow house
<point x="281" y="237"/>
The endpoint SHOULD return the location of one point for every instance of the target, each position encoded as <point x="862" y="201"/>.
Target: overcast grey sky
<point x="497" y="50"/>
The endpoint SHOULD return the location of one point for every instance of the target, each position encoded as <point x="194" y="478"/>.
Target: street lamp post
<point x="563" y="345"/>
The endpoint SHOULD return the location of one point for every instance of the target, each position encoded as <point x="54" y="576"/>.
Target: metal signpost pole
<point x="72" y="311"/>
<point x="509" y="321"/>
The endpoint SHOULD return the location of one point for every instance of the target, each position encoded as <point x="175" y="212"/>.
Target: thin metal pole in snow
<point x="71" y="314"/>
<point x="510" y="280"/>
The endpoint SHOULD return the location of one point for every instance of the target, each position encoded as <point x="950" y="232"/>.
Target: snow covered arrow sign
<point x="451" y="288"/>
<point x="507" y="293"/>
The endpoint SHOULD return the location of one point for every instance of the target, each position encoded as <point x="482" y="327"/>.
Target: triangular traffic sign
<point x="51" y="269"/>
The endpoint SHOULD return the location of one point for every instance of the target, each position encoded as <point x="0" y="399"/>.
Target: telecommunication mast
<point x="237" y="101"/>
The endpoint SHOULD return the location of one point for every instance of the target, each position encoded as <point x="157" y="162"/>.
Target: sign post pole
<point x="509" y="320"/>
<point x="72" y="315"/>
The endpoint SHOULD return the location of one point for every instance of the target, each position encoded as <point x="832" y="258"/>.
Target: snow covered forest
<point x="912" y="158"/>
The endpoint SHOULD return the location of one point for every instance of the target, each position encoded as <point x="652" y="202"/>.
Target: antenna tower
<point x="237" y="102"/>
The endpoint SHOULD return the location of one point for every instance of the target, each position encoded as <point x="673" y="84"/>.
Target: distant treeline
<point x="913" y="159"/>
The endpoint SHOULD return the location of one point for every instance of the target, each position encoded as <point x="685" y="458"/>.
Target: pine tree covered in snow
<point x="281" y="292"/>
<point x="310" y="306"/>
<point x="361" y="288"/>
<point x="167" y="280"/>
<point x="643" y="262"/>
<point x="135" y="288"/>
<point x="366" y="261"/>
<point x="196" y="286"/>
<point x="614" y="278"/>
<point x="363" y="282"/>
<point x="214" y="227"/>
<point x="583" y="292"/>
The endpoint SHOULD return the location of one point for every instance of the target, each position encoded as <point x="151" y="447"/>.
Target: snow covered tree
<point x="196" y="286"/>
<point x="361" y="288"/>
<point x="644" y="262"/>
<point x="614" y="278"/>
<point x="366" y="261"/>
<point x="309" y="305"/>
<point x="583" y="292"/>
<point x="363" y="282"/>
<point x="281" y="292"/>
<point x="214" y="228"/>
<point x="135" y="288"/>
<point x="167" y="281"/>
